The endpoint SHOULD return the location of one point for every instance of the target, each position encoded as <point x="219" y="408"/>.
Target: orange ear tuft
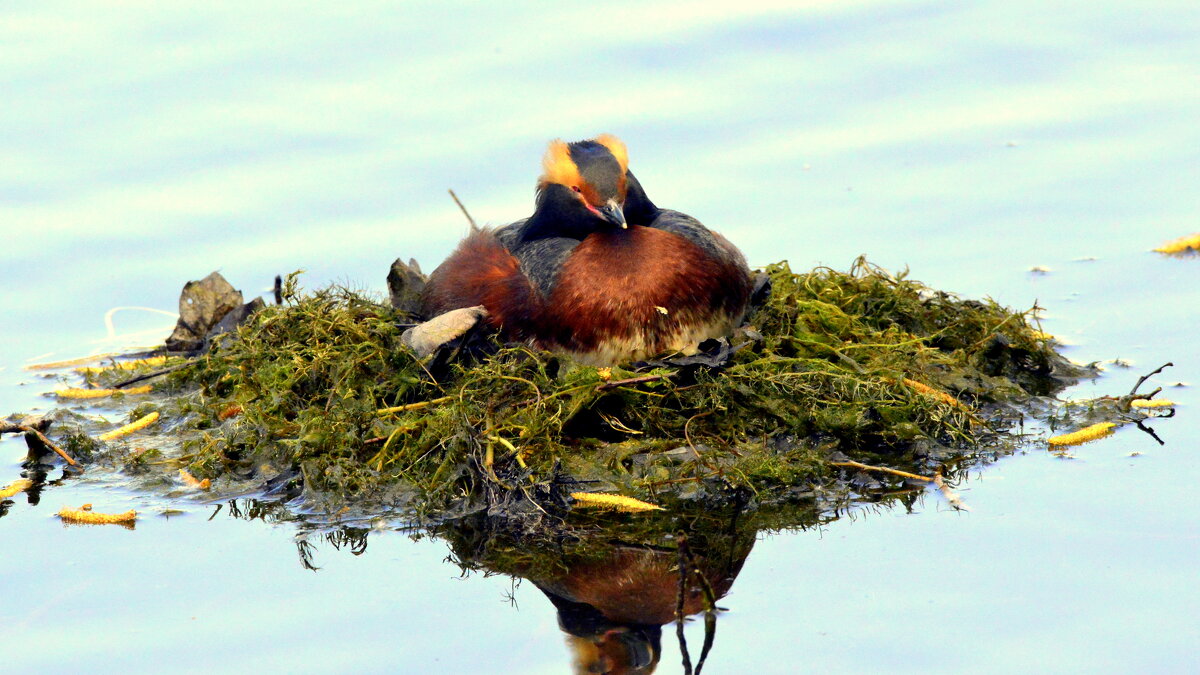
<point x="617" y="148"/>
<point x="558" y="167"/>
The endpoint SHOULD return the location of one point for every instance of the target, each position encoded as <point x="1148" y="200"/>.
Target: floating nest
<point x="318" y="398"/>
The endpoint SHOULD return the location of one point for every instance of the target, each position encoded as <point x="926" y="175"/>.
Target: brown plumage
<point x="578" y="277"/>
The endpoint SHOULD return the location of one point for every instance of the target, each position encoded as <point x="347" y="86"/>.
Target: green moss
<point x="823" y="372"/>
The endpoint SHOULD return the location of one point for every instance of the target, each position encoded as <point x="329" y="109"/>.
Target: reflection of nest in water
<point x="614" y="580"/>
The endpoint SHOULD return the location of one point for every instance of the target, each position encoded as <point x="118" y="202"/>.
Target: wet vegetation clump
<point x="318" y="396"/>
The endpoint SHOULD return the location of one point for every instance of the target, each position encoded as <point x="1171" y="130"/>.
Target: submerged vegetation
<point x="834" y="371"/>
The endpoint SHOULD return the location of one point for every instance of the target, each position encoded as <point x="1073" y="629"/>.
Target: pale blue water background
<point x="145" y="144"/>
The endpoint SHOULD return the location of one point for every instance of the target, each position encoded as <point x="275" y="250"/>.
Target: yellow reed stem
<point x="130" y="428"/>
<point x="100" y="393"/>
<point x="935" y="393"/>
<point x="882" y="469"/>
<point x="413" y="406"/>
<point x="1152" y="403"/>
<point x="93" y="518"/>
<point x="124" y="365"/>
<point x="1181" y="245"/>
<point x="16" y="487"/>
<point x="612" y="502"/>
<point x="1085" y="435"/>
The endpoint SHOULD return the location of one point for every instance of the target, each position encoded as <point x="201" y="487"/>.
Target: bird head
<point x="588" y="177"/>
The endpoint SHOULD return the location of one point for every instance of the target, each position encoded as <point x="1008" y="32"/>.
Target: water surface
<point x="142" y="145"/>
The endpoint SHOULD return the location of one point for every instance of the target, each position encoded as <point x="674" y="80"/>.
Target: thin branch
<point x="1148" y="376"/>
<point x="1146" y="397"/>
<point x="882" y="469"/>
<point x="464" y="210"/>
<point x="688" y="437"/>
<point x="633" y="380"/>
<point x="413" y="406"/>
<point x="14" y="428"/>
<point x="147" y="376"/>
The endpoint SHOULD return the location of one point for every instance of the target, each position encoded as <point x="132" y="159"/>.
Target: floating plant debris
<point x="1152" y="403"/>
<point x="1188" y="244"/>
<point x="124" y="365"/>
<point x="193" y="482"/>
<point x="1085" y="435"/>
<point x="612" y="502"/>
<point x="136" y="425"/>
<point x="930" y="391"/>
<point x="100" y="393"/>
<point x="16" y="487"/>
<point x="86" y="515"/>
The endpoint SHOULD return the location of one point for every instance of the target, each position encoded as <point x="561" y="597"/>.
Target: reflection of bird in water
<point x="612" y="608"/>
<point x="602" y="646"/>
<point x="598" y="271"/>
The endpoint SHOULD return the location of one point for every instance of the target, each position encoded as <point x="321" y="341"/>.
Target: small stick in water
<point x="883" y="469"/>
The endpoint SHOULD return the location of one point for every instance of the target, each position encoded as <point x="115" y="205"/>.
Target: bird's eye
<point x="576" y="188"/>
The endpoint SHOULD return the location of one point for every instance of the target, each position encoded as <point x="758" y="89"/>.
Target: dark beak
<point x="612" y="213"/>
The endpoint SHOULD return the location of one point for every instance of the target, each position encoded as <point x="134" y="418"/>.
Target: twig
<point x="688" y="437"/>
<point x="672" y="481"/>
<point x="882" y="469"/>
<point x="464" y="210"/>
<point x="1148" y="376"/>
<point x="147" y="376"/>
<point x="1145" y="397"/>
<point x="14" y="428"/>
<point x="10" y="428"/>
<point x="950" y="495"/>
<point x="413" y="406"/>
<point x="847" y="360"/>
<point x="633" y="380"/>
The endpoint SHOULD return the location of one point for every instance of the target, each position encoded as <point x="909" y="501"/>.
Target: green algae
<point x="322" y="386"/>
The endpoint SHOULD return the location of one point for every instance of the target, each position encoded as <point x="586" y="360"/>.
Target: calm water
<point x="142" y="145"/>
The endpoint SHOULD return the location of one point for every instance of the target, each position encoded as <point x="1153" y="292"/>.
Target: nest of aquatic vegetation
<point x="319" y="395"/>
